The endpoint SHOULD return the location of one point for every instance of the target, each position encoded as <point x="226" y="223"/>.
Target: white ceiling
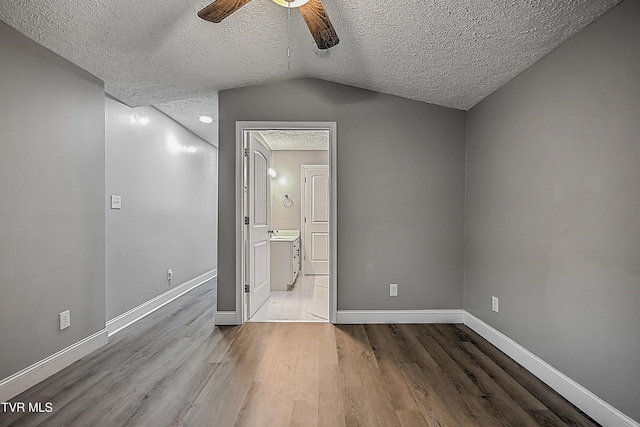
<point x="158" y="52"/>
<point x="296" y="139"/>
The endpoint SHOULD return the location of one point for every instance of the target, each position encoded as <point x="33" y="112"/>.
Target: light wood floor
<point x="174" y="368"/>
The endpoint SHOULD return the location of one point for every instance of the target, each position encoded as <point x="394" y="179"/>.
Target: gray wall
<point x="167" y="178"/>
<point x="288" y="165"/>
<point x="400" y="190"/>
<point x="553" y="208"/>
<point x="52" y="255"/>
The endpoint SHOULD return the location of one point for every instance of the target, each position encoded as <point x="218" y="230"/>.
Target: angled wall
<point x="400" y="190"/>
<point x="553" y="208"/>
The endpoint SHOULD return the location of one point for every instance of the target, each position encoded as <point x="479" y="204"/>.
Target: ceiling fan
<point x="312" y="11"/>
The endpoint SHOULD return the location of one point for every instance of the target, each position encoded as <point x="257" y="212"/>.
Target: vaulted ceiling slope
<point x="158" y="52"/>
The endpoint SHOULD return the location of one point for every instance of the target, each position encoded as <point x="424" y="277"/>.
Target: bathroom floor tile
<point x="306" y="301"/>
<point x="293" y="315"/>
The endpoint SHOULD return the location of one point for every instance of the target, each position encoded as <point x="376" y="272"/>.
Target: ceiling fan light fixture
<point x="313" y="12"/>
<point x="294" y="3"/>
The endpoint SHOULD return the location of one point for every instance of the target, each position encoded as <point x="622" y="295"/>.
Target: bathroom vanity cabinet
<point x="285" y="262"/>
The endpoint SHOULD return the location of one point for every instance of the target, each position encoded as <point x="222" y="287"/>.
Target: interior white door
<point x="316" y="220"/>
<point x="259" y="159"/>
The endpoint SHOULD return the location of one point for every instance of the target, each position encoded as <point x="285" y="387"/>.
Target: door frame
<point x="243" y="127"/>
<point x="303" y="192"/>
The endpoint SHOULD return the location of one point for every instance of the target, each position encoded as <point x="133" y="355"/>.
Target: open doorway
<point x="300" y="257"/>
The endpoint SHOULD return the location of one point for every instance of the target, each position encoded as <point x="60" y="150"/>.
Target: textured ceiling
<point x="296" y="139"/>
<point x="158" y="52"/>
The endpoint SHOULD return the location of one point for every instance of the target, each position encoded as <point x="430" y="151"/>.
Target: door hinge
<point x="246" y="288"/>
<point x="246" y="152"/>
<point x="246" y="220"/>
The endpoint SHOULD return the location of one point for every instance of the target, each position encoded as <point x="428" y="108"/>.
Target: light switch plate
<point x="116" y="202"/>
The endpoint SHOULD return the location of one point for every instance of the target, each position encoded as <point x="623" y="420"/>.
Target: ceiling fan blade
<point x="319" y="24"/>
<point x="220" y="9"/>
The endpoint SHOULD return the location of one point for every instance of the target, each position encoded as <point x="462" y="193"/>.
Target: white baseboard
<point x="399" y="316"/>
<point x="588" y="402"/>
<point x="117" y="324"/>
<point x="12" y="386"/>
<point x="226" y="318"/>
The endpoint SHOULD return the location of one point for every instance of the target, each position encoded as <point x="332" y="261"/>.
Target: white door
<point x="316" y="220"/>
<point x="259" y="159"/>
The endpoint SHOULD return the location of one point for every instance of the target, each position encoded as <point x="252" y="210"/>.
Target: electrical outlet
<point x="393" y="289"/>
<point x="494" y="304"/>
<point x="116" y="202"/>
<point x="65" y="320"/>
<point x="170" y="274"/>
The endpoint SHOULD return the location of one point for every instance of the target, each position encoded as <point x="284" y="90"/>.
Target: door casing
<point x="242" y="128"/>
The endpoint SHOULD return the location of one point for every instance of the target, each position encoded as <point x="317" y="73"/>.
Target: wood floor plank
<point x="130" y="391"/>
<point x="328" y="348"/>
<point x="174" y="368"/>
<point x="354" y="353"/>
<point x="60" y="395"/>
<point x="459" y="386"/>
<point x="500" y="402"/>
<point x="189" y="377"/>
<point x="380" y="338"/>
<point x="517" y="392"/>
<point x="331" y="410"/>
<point x="407" y="418"/>
<point x="304" y="414"/>
<point x="367" y="407"/>
<point x="562" y="408"/>
<point x="413" y="347"/>
<point x="232" y="380"/>
<point x="433" y="406"/>
<point x="389" y="374"/>
<point x="449" y="367"/>
<point x="264" y="405"/>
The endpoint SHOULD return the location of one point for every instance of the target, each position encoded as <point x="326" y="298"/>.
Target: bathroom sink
<point x="285" y="235"/>
<point x="283" y="238"/>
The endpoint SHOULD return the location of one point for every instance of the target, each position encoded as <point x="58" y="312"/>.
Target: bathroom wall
<point x="288" y="165"/>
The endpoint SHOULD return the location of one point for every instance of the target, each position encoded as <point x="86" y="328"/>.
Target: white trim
<point x="226" y="318"/>
<point x="333" y="224"/>
<point x="588" y="402"/>
<point x="32" y="375"/>
<point x="247" y="126"/>
<point x="124" y="320"/>
<point x="239" y="193"/>
<point x="400" y="316"/>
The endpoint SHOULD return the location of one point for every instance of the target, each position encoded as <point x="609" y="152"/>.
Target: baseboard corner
<point x="224" y="318"/>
